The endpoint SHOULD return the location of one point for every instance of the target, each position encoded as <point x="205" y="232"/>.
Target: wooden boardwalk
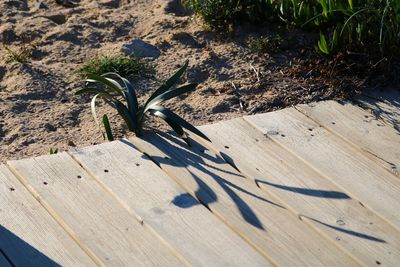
<point x="314" y="185"/>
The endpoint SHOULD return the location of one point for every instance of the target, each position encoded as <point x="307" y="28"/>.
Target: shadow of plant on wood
<point x="202" y="166"/>
<point x="308" y="191"/>
<point x="194" y="160"/>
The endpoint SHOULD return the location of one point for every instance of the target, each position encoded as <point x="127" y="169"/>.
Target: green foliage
<point x="123" y="65"/>
<point x="264" y="44"/>
<point x="20" y="54"/>
<point x="53" y="151"/>
<point x="120" y="94"/>
<point x="362" y="25"/>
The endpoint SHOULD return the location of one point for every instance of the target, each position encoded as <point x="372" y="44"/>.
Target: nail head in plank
<point x="29" y="236"/>
<point x="175" y="216"/>
<point x="360" y="128"/>
<point x="343" y="164"/>
<point x="358" y="230"/>
<point x="239" y="203"/>
<point x="101" y="225"/>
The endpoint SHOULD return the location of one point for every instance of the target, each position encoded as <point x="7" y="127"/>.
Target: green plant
<point x="371" y="26"/>
<point x="20" y="54"/>
<point x="123" y="65"/>
<point x="53" y="151"/>
<point x="264" y="44"/>
<point x="120" y="94"/>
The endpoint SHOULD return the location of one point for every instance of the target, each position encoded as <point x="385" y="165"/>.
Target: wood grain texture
<point x="177" y="217"/>
<point x="238" y="202"/>
<point x="361" y="232"/>
<point x="357" y="126"/>
<point x="27" y="229"/>
<point x="344" y="165"/>
<point x="101" y="225"/>
<point x="387" y="109"/>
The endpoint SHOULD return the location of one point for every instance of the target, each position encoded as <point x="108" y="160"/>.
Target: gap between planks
<point x="311" y="163"/>
<point x="253" y="168"/>
<point x="175" y="172"/>
<point x="383" y="156"/>
<point x="55" y="216"/>
<point x="183" y="229"/>
<point x="95" y="245"/>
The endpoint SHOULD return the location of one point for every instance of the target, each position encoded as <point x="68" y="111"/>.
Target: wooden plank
<point x="344" y="165"/>
<point x="387" y="110"/>
<point x="189" y="227"/>
<point x="317" y="200"/>
<point x="237" y="201"/>
<point x="360" y="128"/>
<point x="29" y="236"/>
<point x="107" y="231"/>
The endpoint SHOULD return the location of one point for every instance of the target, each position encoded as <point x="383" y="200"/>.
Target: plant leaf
<point x="110" y="83"/>
<point x="176" y="127"/>
<point x="124" y="112"/>
<point x="169" y="83"/>
<point x="107" y="127"/>
<point x="171" y="94"/>
<point x="130" y="95"/>
<point x="93" y="107"/>
<point x="178" y="120"/>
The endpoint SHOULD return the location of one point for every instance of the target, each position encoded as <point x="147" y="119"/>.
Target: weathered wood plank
<point x="237" y="201"/>
<point x="344" y="165"/>
<point x="176" y="216"/>
<point x="387" y="109"/>
<point x="317" y="200"/>
<point x="29" y="236"/>
<point x="360" y="128"/>
<point x="101" y="225"/>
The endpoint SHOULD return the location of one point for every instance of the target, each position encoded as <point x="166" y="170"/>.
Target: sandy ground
<point x="38" y="108"/>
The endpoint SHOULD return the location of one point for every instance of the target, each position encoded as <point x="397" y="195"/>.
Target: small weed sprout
<point x="20" y="54"/>
<point x="53" y="151"/>
<point x="264" y="44"/>
<point x="118" y="92"/>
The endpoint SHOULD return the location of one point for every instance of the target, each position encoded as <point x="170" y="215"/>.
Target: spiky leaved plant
<point x="120" y="94"/>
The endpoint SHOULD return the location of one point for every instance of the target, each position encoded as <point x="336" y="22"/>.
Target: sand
<point x="38" y="108"/>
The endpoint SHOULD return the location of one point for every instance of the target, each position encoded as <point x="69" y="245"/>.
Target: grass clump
<point x="20" y="54"/>
<point x="264" y="44"/>
<point x="118" y="92"/>
<point x="123" y="65"/>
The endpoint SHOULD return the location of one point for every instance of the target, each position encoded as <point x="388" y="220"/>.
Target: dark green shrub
<point x="361" y="25"/>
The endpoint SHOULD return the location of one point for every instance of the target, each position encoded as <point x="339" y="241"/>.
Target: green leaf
<point x="53" y="151"/>
<point x="93" y="107"/>
<point x="322" y="45"/>
<point x="110" y="83"/>
<point x="171" y="94"/>
<point x="176" y="127"/>
<point x="131" y="98"/>
<point x="124" y="112"/>
<point x="178" y="120"/>
<point x="129" y="94"/>
<point x="107" y="127"/>
<point x="169" y="83"/>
